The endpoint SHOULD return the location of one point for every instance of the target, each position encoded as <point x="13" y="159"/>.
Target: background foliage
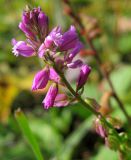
<point x="65" y="133"/>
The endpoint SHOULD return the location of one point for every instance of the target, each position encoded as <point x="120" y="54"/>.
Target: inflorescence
<point x="57" y="49"/>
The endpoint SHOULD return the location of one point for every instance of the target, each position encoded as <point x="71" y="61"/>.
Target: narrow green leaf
<point x="74" y="139"/>
<point x="23" y="123"/>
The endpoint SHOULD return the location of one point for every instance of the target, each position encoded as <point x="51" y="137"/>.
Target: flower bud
<point x="43" y="23"/>
<point x="41" y="79"/>
<point x="61" y="100"/>
<point x="84" y="73"/>
<point x="70" y="39"/>
<point x="100" y="128"/>
<point x="22" y="48"/>
<point x="26" y="30"/>
<point x="50" y="96"/>
<point x="54" y="76"/>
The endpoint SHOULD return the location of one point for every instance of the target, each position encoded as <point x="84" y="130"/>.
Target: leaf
<point x="74" y="139"/>
<point x="50" y="139"/>
<point x="23" y="123"/>
<point x="105" y="153"/>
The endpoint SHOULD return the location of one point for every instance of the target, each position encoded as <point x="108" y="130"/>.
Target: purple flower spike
<point x="54" y="76"/>
<point x="21" y="48"/>
<point x="41" y="79"/>
<point x="75" y="64"/>
<point x="84" y="73"/>
<point x="61" y="100"/>
<point x="43" y="23"/>
<point x="70" y="39"/>
<point x="50" y="96"/>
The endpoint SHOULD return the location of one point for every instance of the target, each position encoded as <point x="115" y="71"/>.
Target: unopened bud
<point x="100" y="128"/>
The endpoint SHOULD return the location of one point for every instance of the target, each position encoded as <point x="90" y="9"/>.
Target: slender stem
<point x="78" y="97"/>
<point x="98" y="60"/>
<point x="106" y="75"/>
<point x="85" y="104"/>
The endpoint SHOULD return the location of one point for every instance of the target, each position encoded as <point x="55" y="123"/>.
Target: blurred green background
<point x="65" y="133"/>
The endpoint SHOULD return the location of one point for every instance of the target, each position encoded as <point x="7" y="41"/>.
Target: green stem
<point x="85" y="104"/>
<point x="78" y="97"/>
<point x="98" y="60"/>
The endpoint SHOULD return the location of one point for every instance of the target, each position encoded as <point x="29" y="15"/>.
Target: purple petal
<point x="54" y="76"/>
<point x="41" y="79"/>
<point x="76" y="50"/>
<point x="50" y="96"/>
<point x="75" y="64"/>
<point x="70" y="38"/>
<point x="13" y="41"/>
<point x="61" y="100"/>
<point x="43" y="23"/>
<point x="23" y="49"/>
<point x="61" y="103"/>
<point x="48" y="41"/>
<point x="26" y="18"/>
<point x="26" y="30"/>
<point x="56" y="36"/>
<point x="60" y="97"/>
<point x="41" y="50"/>
<point x="84" y="73"/>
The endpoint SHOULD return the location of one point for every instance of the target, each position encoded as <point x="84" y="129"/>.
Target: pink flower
<point x="41" y="79"/>
<point x="61" y="100"/>
<point x="84" y="73"/>
<point x="22" y="48"/>
<point x="50" y="96"/>
<point x="100" y="128"/>
<point x="54" y="76"/>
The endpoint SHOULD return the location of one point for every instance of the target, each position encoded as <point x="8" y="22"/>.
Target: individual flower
<point x="69" y="39"/>
<point x="61" y="100"/>
<point x="28" y="32"/>
<point x="84" y="73"/>
<point x="43" y="23"/>
<point x="22" y="48"/>
<point x="50" y="96"/>
<point x="54" y="76"/>
<point x="51" y="42"/>
<point x="41" y="79"/>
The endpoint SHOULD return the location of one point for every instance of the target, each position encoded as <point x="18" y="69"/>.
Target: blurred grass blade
<point x="23" y="123"/>
<point x="74" y="139"/>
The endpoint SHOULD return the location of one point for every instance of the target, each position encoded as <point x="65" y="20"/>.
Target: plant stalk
<point x="97" y="58"/>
